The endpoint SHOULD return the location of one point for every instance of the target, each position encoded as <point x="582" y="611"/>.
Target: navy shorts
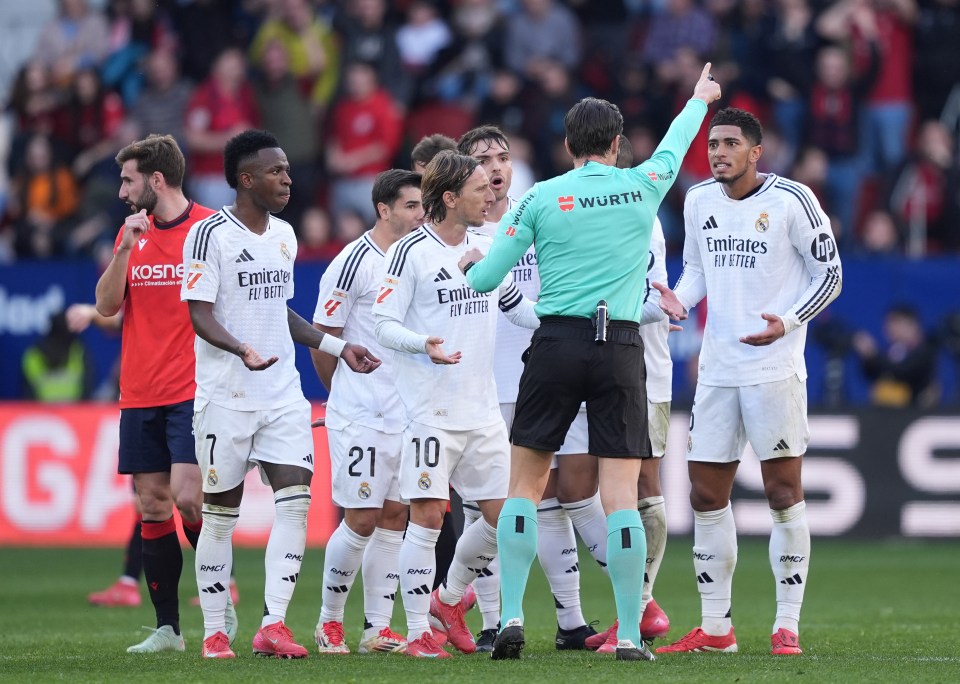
<point x="565" y="368"/>
<point x="151" y="439"/>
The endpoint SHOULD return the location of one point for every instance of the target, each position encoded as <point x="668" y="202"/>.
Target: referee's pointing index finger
<point x="705" y="74"/>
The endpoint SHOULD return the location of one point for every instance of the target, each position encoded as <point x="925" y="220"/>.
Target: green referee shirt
<point x="591" y="228"/>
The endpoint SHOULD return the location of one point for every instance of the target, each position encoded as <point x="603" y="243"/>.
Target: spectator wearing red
<point x="925" y="192"/>
<point x="887" y="26"/>
<point x="833" y="124"/>
<point x="220" y="108"/>
<point x="88" y="121"/>
<point x="365" y="134"/>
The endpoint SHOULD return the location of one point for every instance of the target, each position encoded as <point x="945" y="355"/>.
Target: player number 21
<point x="356" y="453"/>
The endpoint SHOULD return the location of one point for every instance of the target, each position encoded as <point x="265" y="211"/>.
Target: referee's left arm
<point x="514" y="236"/>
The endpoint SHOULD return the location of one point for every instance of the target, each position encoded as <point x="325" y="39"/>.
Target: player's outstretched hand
<point x="320" y="422"/>
<point x="80" y="316"/>
<point x="706" y="89"/>
<point x="438" y="356"/>
<point x="669" y="303"/>
<point x="773" y="332"/>
<point x="253" y="361"/>
<point x="471" y="255"/>
<point x="359" y="359"/>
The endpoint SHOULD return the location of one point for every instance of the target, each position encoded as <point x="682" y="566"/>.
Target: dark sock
<point x="446" y="546"/>
<point x="162" y="565"/>
<point x="133" y="559"/>
<point x="191" y="530"/>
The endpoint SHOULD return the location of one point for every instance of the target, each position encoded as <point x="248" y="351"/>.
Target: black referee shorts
<point x="566" y="367"/>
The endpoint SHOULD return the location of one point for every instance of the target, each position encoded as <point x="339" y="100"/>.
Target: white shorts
<point x="658" y="422"/>
<point x="229" y="443"/>
<point x="772" y="416"/>
<point x="474" y="462"/>
<point x="364" y="464"/>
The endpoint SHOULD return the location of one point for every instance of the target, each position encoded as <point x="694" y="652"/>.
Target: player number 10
<point x="431" y="451"/>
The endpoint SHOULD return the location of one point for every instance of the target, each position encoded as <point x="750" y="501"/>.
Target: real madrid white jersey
<point x="656" y="351"/>
<point x="770" y="252"/>
<point x="512" y="340"/>
<point x="248" y="278"/>
<point x="348" y="289"/>
<point x="424" y="291"/>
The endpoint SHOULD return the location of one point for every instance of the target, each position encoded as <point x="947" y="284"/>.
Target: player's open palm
<point x="438" y="356"/>
<point x="253" y="361"/>
<point x="669" y="303"/>
<point x="773" y="332"/>
<point x="359" y="359"/>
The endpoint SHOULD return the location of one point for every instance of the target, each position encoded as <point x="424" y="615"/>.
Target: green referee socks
<point x="516" y="547"/>
<point x="626" y="558"/>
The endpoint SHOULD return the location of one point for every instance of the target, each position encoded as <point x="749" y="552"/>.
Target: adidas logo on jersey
<point x="244" y="256"/>
<point x="442" y="275"/>
<point x="710" y="224"/>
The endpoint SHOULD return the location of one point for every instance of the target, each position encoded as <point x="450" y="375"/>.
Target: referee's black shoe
<point x="573" y="639"/>
<point x="509" y="642"/>
<point x="627" y="651"/>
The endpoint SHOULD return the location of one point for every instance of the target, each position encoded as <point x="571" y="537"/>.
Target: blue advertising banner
<point x="30" y="292"/>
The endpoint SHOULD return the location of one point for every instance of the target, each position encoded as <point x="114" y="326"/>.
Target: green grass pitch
<point x="874" y="611"/>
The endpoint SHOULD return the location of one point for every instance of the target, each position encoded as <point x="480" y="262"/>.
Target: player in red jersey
<point x="157" y="382"/>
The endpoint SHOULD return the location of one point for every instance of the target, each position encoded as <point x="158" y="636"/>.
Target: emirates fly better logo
<point x="566" y="203"/>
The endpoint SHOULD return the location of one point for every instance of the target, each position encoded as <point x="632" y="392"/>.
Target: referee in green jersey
<point x="591" y="227"/>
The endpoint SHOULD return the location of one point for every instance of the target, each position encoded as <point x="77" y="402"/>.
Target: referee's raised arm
<point x="591" y="227"/>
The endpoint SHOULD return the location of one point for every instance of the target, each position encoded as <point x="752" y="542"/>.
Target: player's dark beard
<point x="148" y="200"/>
<point x="732" y="180"/>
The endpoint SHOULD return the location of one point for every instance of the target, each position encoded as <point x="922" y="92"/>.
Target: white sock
<point x="487" y="585"/>
<point x="714" y="560"/>
<point x="214" y="560"/>
<point x="476" y="549"/>
<point x="591" y="522"/>
<point x="381" y="572"/>
<point x="557" y="551"/>
<point x="284" y="554"/>
<point x="418" y="564"/>
<point x="340" y="565"/>
<point x="790" y="560"/>
<point x="653" y="515"/>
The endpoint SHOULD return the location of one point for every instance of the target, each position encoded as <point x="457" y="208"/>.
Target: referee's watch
<point x="470" y="264"/>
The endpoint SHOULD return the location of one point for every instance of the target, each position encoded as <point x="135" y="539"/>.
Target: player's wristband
<point x="332" y="345"/>
<point x="469" y="265"/>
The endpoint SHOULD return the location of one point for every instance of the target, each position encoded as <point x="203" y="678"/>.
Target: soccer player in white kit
<point x="761" y="248"/>
<point x="364" y="422"/>
<point x="238" y="278"/>
<point x="455" y="434"/>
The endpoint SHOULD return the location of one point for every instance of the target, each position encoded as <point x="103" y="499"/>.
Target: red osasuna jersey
<point x="157" y="360"/>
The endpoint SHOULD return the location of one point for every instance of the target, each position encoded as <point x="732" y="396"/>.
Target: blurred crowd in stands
<point x="860" y="100"/>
